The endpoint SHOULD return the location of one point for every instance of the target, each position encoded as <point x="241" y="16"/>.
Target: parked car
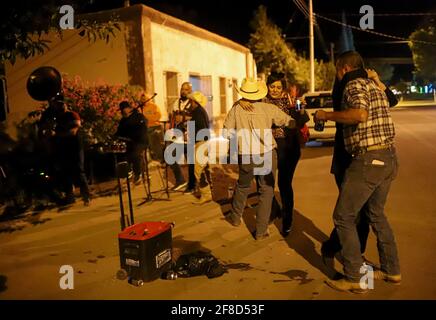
<point x="320" y="100"/>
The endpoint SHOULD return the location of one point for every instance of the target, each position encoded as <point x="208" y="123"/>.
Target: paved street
<point x="33" y="249"/>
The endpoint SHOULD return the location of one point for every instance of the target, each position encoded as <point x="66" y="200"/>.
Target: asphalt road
<point x="33" y="249"/>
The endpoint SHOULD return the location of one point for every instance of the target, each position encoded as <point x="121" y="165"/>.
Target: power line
<point x="373" y="32"/>
<point x="302" y="6"/>
<point x="387" y="14"/>
<point x="296" y="38"/>
<point x="382" y="42"/>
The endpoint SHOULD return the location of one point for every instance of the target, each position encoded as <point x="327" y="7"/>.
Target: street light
<point x="312" y="49"/>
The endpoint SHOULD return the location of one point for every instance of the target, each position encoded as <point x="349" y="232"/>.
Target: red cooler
<point x="145" y="250"/>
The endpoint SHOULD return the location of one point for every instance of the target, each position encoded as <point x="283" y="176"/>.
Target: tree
<point x="269" y="48"/>
<point x="424" y="54"/>
<point x="272" y="53"/>
<point x="24" y="25"/>
<point x="324" y="75"/>
<point x="385" y="71"/>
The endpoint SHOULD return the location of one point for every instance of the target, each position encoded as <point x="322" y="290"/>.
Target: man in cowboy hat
<point x="250" y="131"/>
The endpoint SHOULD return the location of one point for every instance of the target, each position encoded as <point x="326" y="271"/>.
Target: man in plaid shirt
<point x="369" y="138"/>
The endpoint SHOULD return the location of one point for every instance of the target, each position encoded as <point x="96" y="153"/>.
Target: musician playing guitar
<point x="180" y="115"/>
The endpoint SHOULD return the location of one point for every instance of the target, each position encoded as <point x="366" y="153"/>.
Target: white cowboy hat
<point x="198" y="97"/>
<point x="253" y="89"/>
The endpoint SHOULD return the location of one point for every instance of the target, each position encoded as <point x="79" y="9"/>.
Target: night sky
<point x="231" y="19"/>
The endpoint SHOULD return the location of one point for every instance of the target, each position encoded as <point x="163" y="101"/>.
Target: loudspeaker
<point x="44" y="83"/>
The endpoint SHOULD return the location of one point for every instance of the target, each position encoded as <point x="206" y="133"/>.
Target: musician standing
<point x="133" y="130"/>
<point x="155" y="135"/>
<point x="69" y="153"/>
<point x="178" y="118"/>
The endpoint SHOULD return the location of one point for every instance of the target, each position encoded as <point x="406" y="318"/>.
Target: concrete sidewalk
<point x="33" y="248"/>
<point x="86" y="239"/>
<point x="416" y="103"/>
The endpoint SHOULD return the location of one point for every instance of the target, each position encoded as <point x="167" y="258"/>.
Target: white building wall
<point x="176" y="51"/>
<point x="172" y="50"/>
<point x="72" y="55"/>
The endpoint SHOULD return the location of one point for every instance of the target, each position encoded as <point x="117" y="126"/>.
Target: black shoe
<point x="286" y="228"/>
<point x="286" y="223"/>
<point x="179" y="186"/>
<point x="286" y="232"/>
<point x="189" y="191"/>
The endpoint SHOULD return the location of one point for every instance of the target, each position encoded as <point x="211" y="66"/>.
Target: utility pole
<point x="312" y="49"/>
<point x="332" y="52"/>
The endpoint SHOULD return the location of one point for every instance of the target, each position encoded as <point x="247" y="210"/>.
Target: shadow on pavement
<point x="12" y="213"/>
<point x="16" y="223"/>
<point x="294" y="275"/>
<point x="300" y="241"/>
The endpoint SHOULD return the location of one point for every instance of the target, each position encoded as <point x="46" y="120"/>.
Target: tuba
<point x="44" y="83"/>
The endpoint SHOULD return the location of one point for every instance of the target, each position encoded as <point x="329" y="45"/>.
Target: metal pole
<point x="312" y="49"/>
<point x="332" y="52"/>
<point x="132" y="220"/>
<point x="120" y="194"/>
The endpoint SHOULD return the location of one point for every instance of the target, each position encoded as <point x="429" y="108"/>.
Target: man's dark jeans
<point x="341" y="161"/>
<point x="288" y="154"/>
<point x="367" y="181"/>
<point x="266" y="189"/>
<point x="70" y="166"/>
<point x="135" y="157"/>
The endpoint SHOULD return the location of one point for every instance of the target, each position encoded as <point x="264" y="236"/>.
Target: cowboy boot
<point x="205" y="196"/>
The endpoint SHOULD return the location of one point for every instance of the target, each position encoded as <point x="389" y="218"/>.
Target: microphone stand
<point x="149" y="193"/>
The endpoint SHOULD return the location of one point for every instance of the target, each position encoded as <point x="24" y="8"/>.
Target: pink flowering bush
<point x="98" y="105"/>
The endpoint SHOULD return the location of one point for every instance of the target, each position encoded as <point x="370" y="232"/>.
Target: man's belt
<point x="372" y="148"/>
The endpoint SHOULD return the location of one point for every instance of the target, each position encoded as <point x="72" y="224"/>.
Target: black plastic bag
<point x="197" y="264"/>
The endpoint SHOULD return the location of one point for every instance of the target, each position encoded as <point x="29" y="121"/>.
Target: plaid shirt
<point x="379" y="128"/>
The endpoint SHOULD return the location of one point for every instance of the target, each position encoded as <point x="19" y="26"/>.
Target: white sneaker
<point x="178" y="187"/>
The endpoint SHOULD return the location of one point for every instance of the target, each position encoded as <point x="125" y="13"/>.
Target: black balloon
<point x="44" y="83"/>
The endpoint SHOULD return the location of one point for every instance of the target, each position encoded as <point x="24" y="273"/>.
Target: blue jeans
<point x="367" y="180"/>
<point x="266" y="189"/>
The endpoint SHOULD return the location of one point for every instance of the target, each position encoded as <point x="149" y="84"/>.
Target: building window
<point x="195" y="81"/>
<point x="235" y="93"/>
<point x="172" y="90"/>
<point x="223" y="95"/>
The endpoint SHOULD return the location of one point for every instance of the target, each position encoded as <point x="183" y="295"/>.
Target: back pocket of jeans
<point x="374" y="171"/>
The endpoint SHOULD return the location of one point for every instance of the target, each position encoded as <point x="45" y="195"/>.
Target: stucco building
<point x="154" y="50"/>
